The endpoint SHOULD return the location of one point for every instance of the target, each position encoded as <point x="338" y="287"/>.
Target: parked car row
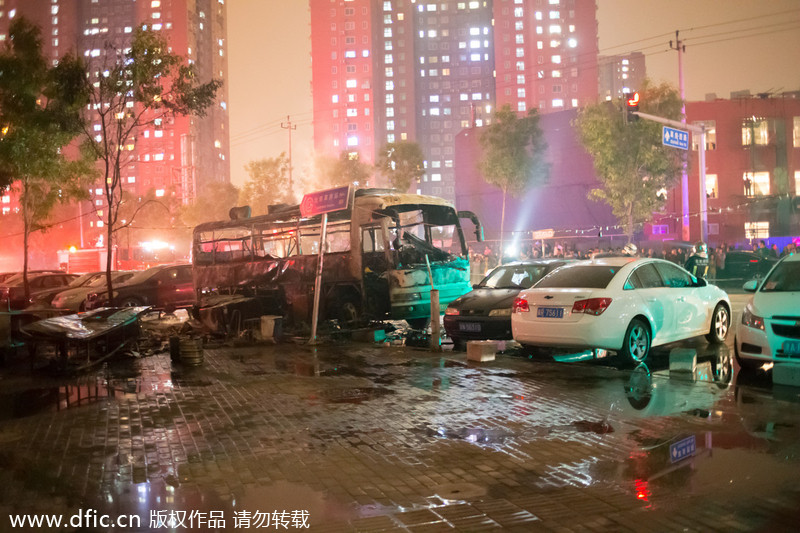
<point x="160" y="286"/>
<point x="622" y="304"/>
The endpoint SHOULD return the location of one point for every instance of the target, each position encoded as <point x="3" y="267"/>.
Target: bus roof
<point x="365" y="198"/>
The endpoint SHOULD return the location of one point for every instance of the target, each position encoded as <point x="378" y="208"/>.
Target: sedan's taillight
<point x="592" y="306"/>
<point x="520" y="306"/>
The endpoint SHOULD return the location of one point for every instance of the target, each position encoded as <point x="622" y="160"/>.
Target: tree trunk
<point x="629" y="229"/>
<point x="109" y="257"/>
<point x="25" y="231"/>
<point x="502" y="227"/>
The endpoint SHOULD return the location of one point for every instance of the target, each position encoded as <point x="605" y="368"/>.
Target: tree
<point x="136" y="84"/>
<point x="513" y="156"/>
<point x="631" y="162"/>
<point x="40" y="113"/>
<point x="212" y="203"/>
<point x="347" y="169"/>
<point x="401" y="163"/>
<point x="268" y="184"/>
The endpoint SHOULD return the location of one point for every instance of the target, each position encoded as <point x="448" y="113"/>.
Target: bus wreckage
<point x="380" y="254"/>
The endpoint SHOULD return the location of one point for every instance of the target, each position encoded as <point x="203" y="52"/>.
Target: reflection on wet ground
<point x="398" y="438"/>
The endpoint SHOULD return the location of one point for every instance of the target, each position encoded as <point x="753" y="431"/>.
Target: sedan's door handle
<point x="680" y="299"/>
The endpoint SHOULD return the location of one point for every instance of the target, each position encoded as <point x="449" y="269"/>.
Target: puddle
<point x="587" y="426"/>
<point x="474" y="435"/>
<point x="353" y="395"/>
<point x="30" y="402"/>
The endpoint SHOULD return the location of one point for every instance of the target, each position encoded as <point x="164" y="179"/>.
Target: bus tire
<point x="348" y="312"/>
<point x="418" y="323"/>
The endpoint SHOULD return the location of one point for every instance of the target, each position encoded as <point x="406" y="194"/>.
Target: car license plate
<point x="550" y="312"/>
<point x="473" y="327"/>
<point x="791" y="347"/>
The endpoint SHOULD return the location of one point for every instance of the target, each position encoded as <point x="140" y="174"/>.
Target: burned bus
<point x="379" y="257"/>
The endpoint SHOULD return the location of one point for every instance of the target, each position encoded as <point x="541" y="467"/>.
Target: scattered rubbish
<point x="482" y="351"/>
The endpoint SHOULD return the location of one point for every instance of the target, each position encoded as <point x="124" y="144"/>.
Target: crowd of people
<point x="681" y="255"/>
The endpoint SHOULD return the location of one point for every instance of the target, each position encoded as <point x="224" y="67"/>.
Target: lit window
<point x="755" y="131"/>
<point x="158" y="133"/>
<point x="352" y="141"/>
<point x="155" y="3"/>
<point x="711" y="135"/>
<point x="555" y="29"/>
<point x="712" y="190"/>
<point x="556" y="59"/>
<point x="796" y="132"/>
<point x="558" y="102"/>
<point x="756" y="230"/>
<point x="351" y="84"/>
<point x="756" y="183"/>
<point x="335" y="99"/>
<point x="156" y="15"/>
<point x="159" y="192"/>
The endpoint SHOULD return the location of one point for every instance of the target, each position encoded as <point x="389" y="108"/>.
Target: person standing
<point x="697" y="264"/>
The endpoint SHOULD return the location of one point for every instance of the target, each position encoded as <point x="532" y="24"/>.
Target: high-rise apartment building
<point x="545" y="54"/>
<point x="179" y="155"/>
<point x="422" y="70"/>
<point x="620" y="75"/>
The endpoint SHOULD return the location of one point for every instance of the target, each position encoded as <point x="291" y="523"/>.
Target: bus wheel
<point x="418" y="323"/>
<point x="348" y="313"/>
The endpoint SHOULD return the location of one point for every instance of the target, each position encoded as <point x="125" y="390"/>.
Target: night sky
<point x="731" y="45"/>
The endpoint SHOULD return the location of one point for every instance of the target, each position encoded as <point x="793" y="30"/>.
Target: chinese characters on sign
<point x="675" y="138"/>
<point x="326" y="201"/>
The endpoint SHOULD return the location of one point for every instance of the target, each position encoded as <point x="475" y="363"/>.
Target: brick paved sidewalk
<point x="380" y="439"/>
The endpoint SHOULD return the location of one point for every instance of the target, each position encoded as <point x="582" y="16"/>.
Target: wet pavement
<point x="359" y="437"/>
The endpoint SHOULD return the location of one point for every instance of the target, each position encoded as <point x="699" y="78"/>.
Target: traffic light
<point x="632" y="108"/>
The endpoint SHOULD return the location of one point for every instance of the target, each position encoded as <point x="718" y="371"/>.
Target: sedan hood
<point x="482" y="299"/>
<point x="770" y="304"/>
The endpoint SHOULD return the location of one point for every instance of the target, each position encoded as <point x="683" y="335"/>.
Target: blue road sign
<point x="326" y="201"/>
<point x="682" y="449"/>
<point x="675" y="138"/>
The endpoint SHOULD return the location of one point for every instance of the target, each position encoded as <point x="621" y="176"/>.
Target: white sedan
<point x="623" y="304"/>
<point x="769" y="331"/>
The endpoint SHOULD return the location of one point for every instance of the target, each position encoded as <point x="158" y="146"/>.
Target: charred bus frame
<point x="380" y="254"/>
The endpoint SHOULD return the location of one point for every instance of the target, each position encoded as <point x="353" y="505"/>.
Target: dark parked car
<point x="161" y="286"/>
<point x="485" y="312"/>
<point x="74" y="299"/>
<point x="12" y="290"/>
<point x="742" y="265"/>
<point x="44" y="299"/>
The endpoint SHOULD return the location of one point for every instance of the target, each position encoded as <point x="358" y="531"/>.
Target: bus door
<point x="376" y="260"/>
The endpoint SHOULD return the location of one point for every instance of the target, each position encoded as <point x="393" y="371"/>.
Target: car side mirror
<point x="476" y="286"/>
<point x="700" y="282"/>
<point x="750" y="286"/>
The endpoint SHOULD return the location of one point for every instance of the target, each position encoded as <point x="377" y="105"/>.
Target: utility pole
<point x="289" y="126"/>
<point x="681" y="48"/>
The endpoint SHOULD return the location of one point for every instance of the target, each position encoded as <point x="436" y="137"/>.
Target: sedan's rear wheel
<point x="459" y="344"/>
<point x="720" y="323"/>
<point x="636" y="344"/>
<point x="130" y="301"/>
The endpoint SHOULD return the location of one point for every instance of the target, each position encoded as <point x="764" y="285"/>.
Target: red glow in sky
<point x="730" y="46"/>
